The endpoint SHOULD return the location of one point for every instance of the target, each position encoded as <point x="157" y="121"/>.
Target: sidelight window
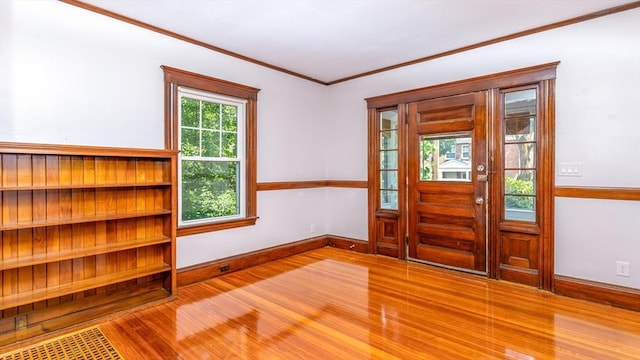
<point x="520" y="151"/>
<point x="389" y="159"/>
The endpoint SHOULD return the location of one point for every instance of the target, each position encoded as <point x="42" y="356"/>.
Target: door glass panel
<point x="520" y="156"/>
<point x="521" y="102"/>
<point x="520" y="208"/>
<point x="388" y="159"/>
<point x="445" y="157"/>
<point x="389" y="140"/>
<point x="389" y="199"/>
<point x="520" y="182"/>
<point x="520" y="148"/>
<point x="520" y="128"/>
<point x="389" y="180"/>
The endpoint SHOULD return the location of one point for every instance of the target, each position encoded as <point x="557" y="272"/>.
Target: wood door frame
<point x="544" y="76"/>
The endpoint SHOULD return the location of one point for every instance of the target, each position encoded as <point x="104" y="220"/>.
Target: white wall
<point x="597" y="125"/>
<point x="69" y="76"/>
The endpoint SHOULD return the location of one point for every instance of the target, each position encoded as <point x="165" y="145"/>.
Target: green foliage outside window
<point x="426" y="157"/>
<point x="210" y="168"/>
<point x="518" y="187"/>
<point x="209" y="189"/>
<point x="447" y="146"/>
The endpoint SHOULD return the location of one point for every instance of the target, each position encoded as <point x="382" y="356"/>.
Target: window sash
<point x="240" y="185"/>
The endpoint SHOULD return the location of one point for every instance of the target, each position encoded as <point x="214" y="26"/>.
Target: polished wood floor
<point x="335" y="304"/>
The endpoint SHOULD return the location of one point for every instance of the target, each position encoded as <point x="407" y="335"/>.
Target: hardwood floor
<point x="334" y="304"/>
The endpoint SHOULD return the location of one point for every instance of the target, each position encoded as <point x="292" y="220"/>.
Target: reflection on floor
<point x="335" y="304"/>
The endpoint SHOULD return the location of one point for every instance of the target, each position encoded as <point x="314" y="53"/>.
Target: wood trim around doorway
<point x="509" y="78"/>
<point x="539" y="269"/>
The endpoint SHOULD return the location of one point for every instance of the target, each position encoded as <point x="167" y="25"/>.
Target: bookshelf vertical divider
<point x="85" y="231"/>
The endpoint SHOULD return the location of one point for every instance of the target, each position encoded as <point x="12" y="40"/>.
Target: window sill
<point x="215" y="226"/>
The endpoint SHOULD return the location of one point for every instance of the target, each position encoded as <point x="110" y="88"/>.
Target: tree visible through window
<point x="211" y="156"/>
<point x="212" y="123"/>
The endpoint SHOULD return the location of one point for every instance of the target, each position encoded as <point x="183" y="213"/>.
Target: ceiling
<point x="331" y="40"/>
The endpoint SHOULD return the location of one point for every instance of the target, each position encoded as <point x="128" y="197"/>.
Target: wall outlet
<point x="312" y="228"/>
<point x="622" y="268"/>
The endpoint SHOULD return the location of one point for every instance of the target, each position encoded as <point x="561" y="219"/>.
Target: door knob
<point x="479" y="200"/>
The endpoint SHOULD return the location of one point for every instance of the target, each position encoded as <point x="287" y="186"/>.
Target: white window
<point x="211" y="160"/>
<point x="465" y="151"/>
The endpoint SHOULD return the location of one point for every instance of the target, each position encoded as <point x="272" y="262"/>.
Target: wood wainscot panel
<point x="615" y="295"/>
<point x="388" y="236"/>
<point x="519" y="257"/>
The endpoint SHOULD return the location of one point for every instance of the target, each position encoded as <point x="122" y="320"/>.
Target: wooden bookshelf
<point x="87" y="225"/>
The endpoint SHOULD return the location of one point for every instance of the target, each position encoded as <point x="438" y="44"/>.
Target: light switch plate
<point x="570" y="169"/>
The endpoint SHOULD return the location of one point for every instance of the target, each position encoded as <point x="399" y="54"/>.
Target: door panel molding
<point x="442" y="232"/>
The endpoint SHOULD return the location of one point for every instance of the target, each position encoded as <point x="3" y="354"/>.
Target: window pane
<point x="209" y="189"/>
<point x="519" y="208"/>
<point x="445" y="158"/>
<point x="520" y="129"/>
<point x="190" y="142"/>
<point x="520" y="182"/>
<point x="389" y="159"/>
<point x="389" y="140"/>
<point x="389" y="179"/>
<point x="455" y="175"/>
<point x="229" y="144"/>
<point x="465" y="152"/>
<point x="389" y="120"/>
<point x="210" y="143"/>
<point x="520" y="102"/>
<point x="229" y="118"/>
<point x="520" y="155"/>
<point x="210" y="116"/>
<point x="190" y="115"/>
<point x="389" y="199"/>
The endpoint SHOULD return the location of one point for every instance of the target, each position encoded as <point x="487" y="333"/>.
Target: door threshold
<point x="448" y="267"/>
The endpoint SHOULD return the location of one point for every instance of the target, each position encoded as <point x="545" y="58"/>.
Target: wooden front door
<point x="447" y="183"/>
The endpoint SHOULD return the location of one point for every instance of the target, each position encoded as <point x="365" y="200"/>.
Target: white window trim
<point x="241" y="105"/>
